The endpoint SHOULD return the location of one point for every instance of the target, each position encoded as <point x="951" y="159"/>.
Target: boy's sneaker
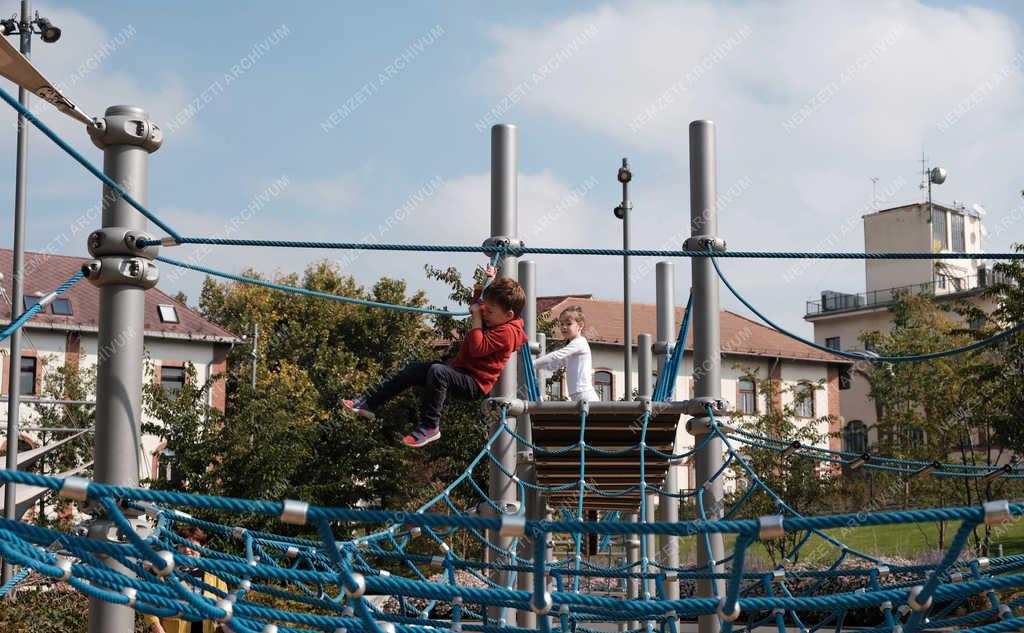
<point x="358" y="407"/>
<point x="421" y="436"/>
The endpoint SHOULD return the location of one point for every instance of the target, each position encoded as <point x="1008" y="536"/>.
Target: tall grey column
<point x="707" y="359"/>
<point x="643" y="365"/>
<point x="623" y="211"/>
<point x="17" y="287"/>
<point x="650" y="588"/>
<point x="668" y="507"/>
<point x="632" y="558"/>
<point x="525" y="468"/>
<point x="123" y="272"/>
<point x="504" y="212"/>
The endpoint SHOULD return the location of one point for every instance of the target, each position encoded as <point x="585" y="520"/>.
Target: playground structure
<point x="576" y="460"/>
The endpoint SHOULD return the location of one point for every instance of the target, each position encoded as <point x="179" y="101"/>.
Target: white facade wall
<point x="50" y="346"/>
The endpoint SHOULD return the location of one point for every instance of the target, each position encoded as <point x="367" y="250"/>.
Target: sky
<point x="370" y="122"/>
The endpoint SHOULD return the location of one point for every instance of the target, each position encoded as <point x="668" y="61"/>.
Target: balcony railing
<point x="840" y="302"/>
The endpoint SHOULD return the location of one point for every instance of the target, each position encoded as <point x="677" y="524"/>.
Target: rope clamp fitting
<point x="778" y="611"/>
<point x="997" y="512"/>
<point x="292" y="552"/>
<point x="64" y="565"/>
<point x="583" y="406"/>
<point x="360" y="586"/>
<point x="728" y="617"/>
<point x="245" y="585"/>
<point x="771" y="527"/>
<point x="564" y="609"/>
<point x="983" y="562"/>
<point x="238" y="533"/>
<point x="883" y="571"/>
<point x="956" y="578"/>
<point x="704" y="243"/>
<point x="76" y="488"/>
<point x="885" y="606"/>
<point x="778" y="574"/>
<point x="912" y="601"/>
<point x="1005" y="612"/>
<point x="294" y="512"/>
<point x="168" y="566"/>
<point x="513" y="525"/>
<point x="503" y="242"/>
<point x="227" y="607"/>
<point x="169" y="241"/>
<point x="545" y="605"/>
<point x="131" y="593"/>
<point x="387" y="627"/>
<point x="269" y="628"/>
<point x="415" y="531"/>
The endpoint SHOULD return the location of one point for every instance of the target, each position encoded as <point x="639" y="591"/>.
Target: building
<point x="749" y="350"/>
<point x="839" y="318"/>
<point x="65" y="333"/>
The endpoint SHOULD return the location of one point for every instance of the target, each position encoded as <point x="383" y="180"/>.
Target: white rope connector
<point x="227" y="607"/>
<point x="245" y="584"/>
<point x="564" y="609"/>
<point x="292" y="552"/>
<point x="883" y="570"/>
<point x="997" y="512"/>
<point x="348" y="612"/>
<point x="912" y="601"/>
<point x="771" y="526"/>
<point x="444" y="547"/>
<point x="778" y="574"/>
<point x="238" y="533"/>
<point x="387" y="627"/>
<point x="672" y="615"/>
<point x="64" y="565"/>
<point x="168" y="567"/>
<point x="170" y="241"/>
<point x="457" y="600"/>
<point x="360" y="588"/>
<point x="269" y="628"/>
<point x="957" y="577"/>
<point x="415" y="531"/>
<point x="778" y="611"/>
<point x="513" y="525"/>
<point x="457" y="627"/>
<point x="546" y="602"/>
<point x="294" y="512"/>
<point x="384" y="573"/>
<point x="885" y="606"/>
<point x="728" y="617"/>
<point x="437" y="560"/>
<point x="1005" y="612"/>
<point x="131" y="593"/>
<point x="983" y="562"/>
<point x="76" y="488"/>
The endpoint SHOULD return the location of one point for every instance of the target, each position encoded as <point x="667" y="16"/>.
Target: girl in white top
<point x="574" y="356"/>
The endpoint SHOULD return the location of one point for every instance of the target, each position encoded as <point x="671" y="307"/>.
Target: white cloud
<point x="810" y="99"/>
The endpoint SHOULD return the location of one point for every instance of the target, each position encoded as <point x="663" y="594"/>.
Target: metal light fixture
<point x="47" y="31"/>
<point x="10" y="26"/>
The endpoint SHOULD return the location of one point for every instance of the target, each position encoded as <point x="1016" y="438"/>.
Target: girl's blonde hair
<point x="576" y="313"/>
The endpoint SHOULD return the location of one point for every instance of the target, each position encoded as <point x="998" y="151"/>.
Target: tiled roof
<point x="44" y="273"/>
<point x="604" y="324"/>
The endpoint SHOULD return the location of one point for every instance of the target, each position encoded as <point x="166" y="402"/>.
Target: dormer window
<point x="168" y="313"/>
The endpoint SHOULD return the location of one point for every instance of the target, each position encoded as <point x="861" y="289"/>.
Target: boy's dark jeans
<point x="438" y="380"/>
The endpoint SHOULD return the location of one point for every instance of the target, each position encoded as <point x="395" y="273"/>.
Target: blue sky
<point x="812" y="99"/>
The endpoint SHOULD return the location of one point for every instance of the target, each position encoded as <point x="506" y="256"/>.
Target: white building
<point x="840" y="318"/>
<point x="66" y="333"/>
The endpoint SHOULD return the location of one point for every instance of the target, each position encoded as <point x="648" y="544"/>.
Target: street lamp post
<point x="49" y="33"/>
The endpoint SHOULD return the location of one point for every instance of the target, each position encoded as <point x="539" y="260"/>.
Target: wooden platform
<point x="610" y="428"/>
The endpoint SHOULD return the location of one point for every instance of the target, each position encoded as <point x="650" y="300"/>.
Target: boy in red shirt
<point x="497" y="332"/>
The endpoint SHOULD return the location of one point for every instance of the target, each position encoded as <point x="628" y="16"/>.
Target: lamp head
<point x="937" y="175"/>
<point x="10" y="26"/>
<point x="47" y="31"/>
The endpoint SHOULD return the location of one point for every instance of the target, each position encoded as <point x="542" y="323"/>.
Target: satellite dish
<point x="977" y="208"/>
<point x="937" y="175"/>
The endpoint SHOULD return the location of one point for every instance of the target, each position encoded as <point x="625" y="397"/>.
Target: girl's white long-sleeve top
<point x="575" y="357"/>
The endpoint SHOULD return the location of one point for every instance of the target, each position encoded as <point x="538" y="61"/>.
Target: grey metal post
<point x="707" y="343"/>
<point x="623" y="212"/>
<point x="643" y="365"/>
<point x="542" y="348"/>
<point x="17" y="287"/>
<point x="668" y="507"/>
<point x="123" y="272"/>
<point x="525" y="469"/>
<point x="632" y="558"/>
<point x="650" y="589"/>
<point x="255" y="354"/>
<point x="504" y="218"/>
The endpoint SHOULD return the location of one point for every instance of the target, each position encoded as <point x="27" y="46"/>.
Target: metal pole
<point x="17" y="286"/>
<point x="633" y="560"/>
<point x="623" y="212"/>
<point x="668" y="508"/>
<point x="255" y="354"/>
<point x="525" y="468"/>
<point x="504" y="211"/>
<point x="707" y="352"/>
<point x="123" y="272"/>
<point x="643" y="365"/>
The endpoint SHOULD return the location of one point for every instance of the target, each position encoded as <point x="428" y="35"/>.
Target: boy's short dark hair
<point x="507" y="293"/>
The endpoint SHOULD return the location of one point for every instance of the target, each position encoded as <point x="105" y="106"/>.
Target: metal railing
<point x="943" y="285"/>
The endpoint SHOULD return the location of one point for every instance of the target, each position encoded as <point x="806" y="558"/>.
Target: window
<point x="832" y="342"/>
<point x="747" y="396"/>
<point x="855" y="437"/>
<point x="27" y="384"/>
<point x="166" y="467"/>
<point x="61" y="307"/>
<point x="603" y="385"/>
<point x="168" y="313"/>
<point x="939" y="241"/>
<point x="958" y="233"/>
<point x="30" y="300"/>
<point x="804" y="400"/>
<point x="915" y="436"/>
<point x="845" y="377"/>
<point x="172" y="379"/>
<point x="940" y="281"/>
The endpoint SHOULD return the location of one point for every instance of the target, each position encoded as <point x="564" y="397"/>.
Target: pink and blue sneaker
<point x="421" y="436"/>
<point x="358" y="406"/>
